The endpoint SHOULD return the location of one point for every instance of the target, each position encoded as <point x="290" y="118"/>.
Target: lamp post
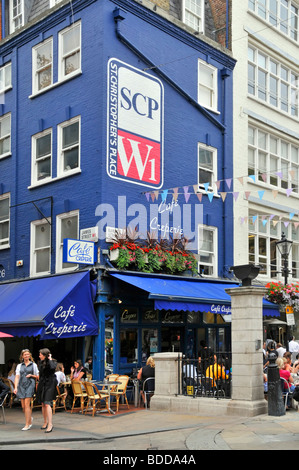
<point x="284" y="247"/>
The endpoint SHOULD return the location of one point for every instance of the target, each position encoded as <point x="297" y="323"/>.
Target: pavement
<point x="139" y="429"/>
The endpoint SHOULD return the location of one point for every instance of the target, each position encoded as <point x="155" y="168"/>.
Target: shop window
<point x="128" y="345"/>
<point x="172" y="317"/>
<point x="149" y="342"/>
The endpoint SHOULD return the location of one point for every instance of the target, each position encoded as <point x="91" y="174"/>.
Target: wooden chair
<point x="10" y="384"/>
<point x="121" y="389"/>
<point x="94" y="397"/>
<point x="112" y="378"/>
<point x="80" y="394"/>
<point x="59" y="401"/>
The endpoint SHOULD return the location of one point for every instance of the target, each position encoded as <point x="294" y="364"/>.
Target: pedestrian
<point x="46" y="390"/>
<point x="147" y="372"/>
<point x="25" y="383"/>
<point x="293" y="348"/>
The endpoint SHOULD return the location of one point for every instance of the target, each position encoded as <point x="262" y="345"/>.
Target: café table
<point x="109" y="385"/>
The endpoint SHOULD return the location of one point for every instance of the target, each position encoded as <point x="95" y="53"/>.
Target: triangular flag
<point x="228" y="182"/>
<point x="175" y="194"/>
<point x="218" y="184"/>
<point x="261" y="194"/>
<point x="206" y="186"/>
<point x="289" y="190"/>
<point x="275" y="222"/>
<point x="241" y="180"/>
<point x="147" y="195"/>
<point x="156" y="193"/>
<point x="292" y="215"/>
<point x="242" y="220"/>
<point x="264" y="176"/>
<point x="164" y="194"/>
<point x="235" y="194"/>
<point x="254" y="219"/>
<point x="252" y="177"/>
<point x="195" y="188"/>
<point x="199" y="195"/>
<point x="264" y="222"/>
<point x="247" y="194"/>
<point x="286" y="224"/>
<point x="271" y="216"/>
<point x="279" y="173"/>
<point x="187" y="195"/>
<point x="223" y="196"/>
<point x="210" y="196"/>
<point x="153" y="196"/>
<point x="296" y="224"/>
<point x="292" y="173"/>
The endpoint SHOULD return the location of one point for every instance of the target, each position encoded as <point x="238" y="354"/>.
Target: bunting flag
<point x="186" y="192"/>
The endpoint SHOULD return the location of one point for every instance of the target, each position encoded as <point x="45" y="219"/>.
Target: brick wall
<point x="218" y="10"/>
<point x="162" y="4"/>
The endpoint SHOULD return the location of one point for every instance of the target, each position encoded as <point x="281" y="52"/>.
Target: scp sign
<point x="135" y="125"/>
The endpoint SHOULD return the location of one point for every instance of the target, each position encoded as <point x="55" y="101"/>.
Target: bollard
<point x="275" y="399"/>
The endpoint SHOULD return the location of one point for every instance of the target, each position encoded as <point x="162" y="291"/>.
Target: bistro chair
<point x="121" y="389"/>
<point x="9" y="384"/>
<point x="2" y="401"/>
<point x="59" y="401"/>
<point x="286" y="390"/>
<point x="148" y="390"/>
<point x="80" y="394"/>
<point x="94" y="397"/>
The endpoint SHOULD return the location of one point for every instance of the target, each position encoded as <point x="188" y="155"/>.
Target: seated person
<point x="190" y="373"/>
<point x="148" y="371"/>
<point x="78" y="372"/>
<point x="4" y="390"/>
<point x="215" y="372"/>
<point x="285" y="374"/>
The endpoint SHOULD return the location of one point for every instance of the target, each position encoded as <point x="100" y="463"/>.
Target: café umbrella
<point x="5" y="335"/>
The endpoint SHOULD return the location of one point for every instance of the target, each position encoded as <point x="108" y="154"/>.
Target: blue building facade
<point x="115" y="117"/>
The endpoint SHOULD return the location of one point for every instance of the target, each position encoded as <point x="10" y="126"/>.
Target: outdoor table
<point x="109" y="385"/>
<point x="136" y="392"/>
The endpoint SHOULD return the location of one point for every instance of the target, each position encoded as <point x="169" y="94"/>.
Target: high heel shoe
<point x="50" y="430"/>
<point x="44" y="427"/>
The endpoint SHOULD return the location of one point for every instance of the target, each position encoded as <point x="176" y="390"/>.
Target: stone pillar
<point x="247" y="358"/>
<point x="166" y="380"/>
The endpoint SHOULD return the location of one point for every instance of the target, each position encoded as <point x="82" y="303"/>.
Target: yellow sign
<point x="289" y="309"/>
<point x="190" y="390"/>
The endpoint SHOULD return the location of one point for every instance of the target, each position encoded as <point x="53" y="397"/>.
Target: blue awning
<point x="197" y="295"/>
<point x="51" y="307"/>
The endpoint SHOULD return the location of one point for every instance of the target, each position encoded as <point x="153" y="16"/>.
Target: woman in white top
<point x="60" y="376"/>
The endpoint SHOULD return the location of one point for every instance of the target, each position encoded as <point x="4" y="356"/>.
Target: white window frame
<point x="5" y="77"/>
<point x="5" y="241"/>
<point x="5" y="136"/>
<point x="59" y="241"/>
<point x="212" y="90"/>
<point x="34" y="250"/>
<point x="213" y="266"/>
<point x="188" y="12"/>
<point x="264" y="77"/>
<point x="288" y="28"/>
<point x="270" y="231"/>
<point x="37" y="70"/>
<point x="54" y="2"/>
<point x="20" y="15"/>
<point x="34" y="161"/>
<point x="278" y="154"/>
<point x="61" y="171"/>
<point x="213" y="171"/>
<point x="63" y="56"/>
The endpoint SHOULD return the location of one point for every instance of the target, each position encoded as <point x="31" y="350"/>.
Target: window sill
<point x="52" y="180"/>
<point x="55" y="85"/>
<point x="6" y="155"/>
<point x="5" y="247"/>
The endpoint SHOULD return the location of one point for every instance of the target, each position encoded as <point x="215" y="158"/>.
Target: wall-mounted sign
<point x="89" y="234"/>
<point x="79" y="251"/>
<point x="134" y="125"/>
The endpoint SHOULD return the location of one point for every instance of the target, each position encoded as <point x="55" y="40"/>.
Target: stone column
<point x="247" y="358"/>
<point x="166" y="380"/>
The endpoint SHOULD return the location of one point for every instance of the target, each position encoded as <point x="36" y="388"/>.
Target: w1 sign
<point x="135" y="125"/>
<point x="78" y="252"/>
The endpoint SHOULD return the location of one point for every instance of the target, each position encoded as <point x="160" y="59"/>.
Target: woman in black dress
<point x="46" y="389"/>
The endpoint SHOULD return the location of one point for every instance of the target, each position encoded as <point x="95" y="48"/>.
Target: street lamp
<point x="284" y="247"/>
